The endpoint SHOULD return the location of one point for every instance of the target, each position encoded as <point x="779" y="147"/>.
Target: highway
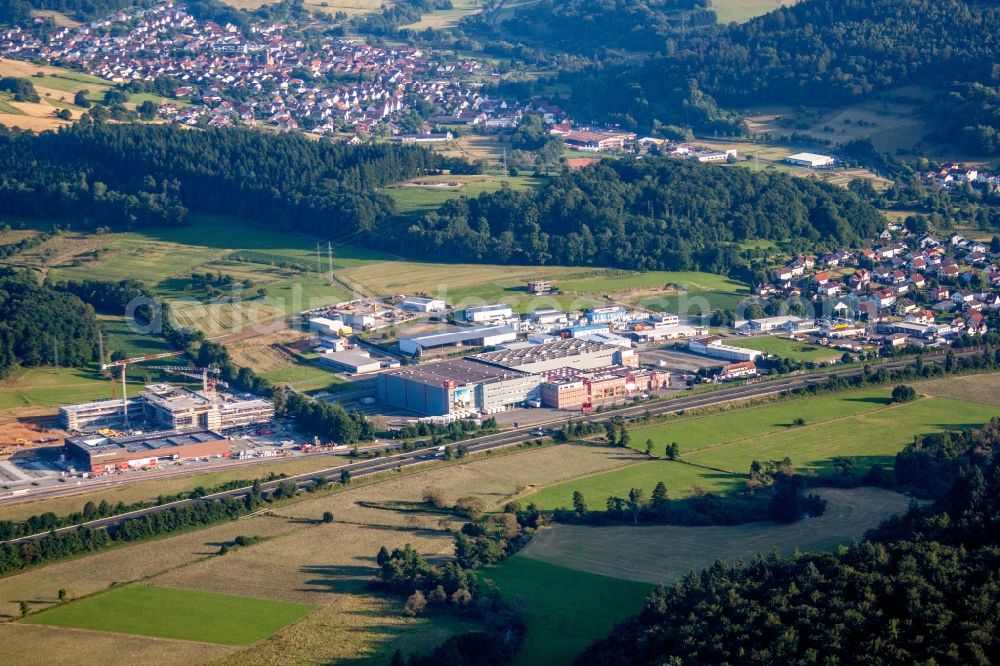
<point x="499" y="440"/>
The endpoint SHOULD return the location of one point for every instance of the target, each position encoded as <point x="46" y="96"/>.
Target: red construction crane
<point x="125" y="362"/>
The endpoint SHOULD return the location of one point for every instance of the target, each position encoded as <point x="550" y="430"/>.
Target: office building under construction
<point x="169" y="407"/>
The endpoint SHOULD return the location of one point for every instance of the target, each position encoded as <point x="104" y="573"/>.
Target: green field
<point x="307" y="377"/>
<point x="118" y="336"/>
<point x="176" y="613"/>
<point x="567" y="609"/>
<point x="786" y="348"/>
<point x="52" y="387"/>
<point x="699" y="432"/>
<point x="678" y="477"/>
<point x="860" y="425"/>
<point x="416" y="200"/>
<point x="870" y="438"/>
<point x="742" y="11"/>
<point x="673" y="291"/>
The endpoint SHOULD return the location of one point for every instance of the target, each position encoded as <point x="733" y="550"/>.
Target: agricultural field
<point x="676" y="291"/>
<point x="741" y="11"/>
<point x="446" y="18"/>
<point x="982" y="389"/>
<point x="349" y="7"/>
<point x="665" y="553"/>
<point x="567" y="609"/>
<point x="189" y="614"/>
<point x="721" y="446"/>
<point x="430" y="192"/>
<point x="787" y="348"/>
<point x="120" y="336"/>
<point x="55" y="646"/>
<point x="303" y="561"/>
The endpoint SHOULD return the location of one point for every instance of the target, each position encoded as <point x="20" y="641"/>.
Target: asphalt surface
<point x="485" y="443"/>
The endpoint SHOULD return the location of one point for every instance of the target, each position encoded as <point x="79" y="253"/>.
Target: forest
<point x="968" y="116"/>
<point x="40" y="325"/>
<point x="817" y="52"/>
<point x="922" y="588"/>
<point x="649" y="214"/>
<point x="128" y="176"/>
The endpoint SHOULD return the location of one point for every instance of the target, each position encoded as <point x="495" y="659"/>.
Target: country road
<point x="476" y="445"/>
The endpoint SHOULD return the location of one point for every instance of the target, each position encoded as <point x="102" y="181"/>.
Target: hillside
<point x="921" y="589"/>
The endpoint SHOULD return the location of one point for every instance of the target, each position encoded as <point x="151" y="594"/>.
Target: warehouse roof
<point x="100" y="445"/>
<point x="460" y="371"/>
<point x="457" y="335"/>
<point x="543" y="352"/>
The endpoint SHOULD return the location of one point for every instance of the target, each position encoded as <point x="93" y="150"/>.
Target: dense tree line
<point x="968" y="116"/>
<point x="42" y="326"/>
<point x="455" y="586"/>
<point x="44" y="522"/>
<point x="141" y="175"/>
<point x="924" y="588"/>
<point x="655" y="213"/>
<point x="589" y="25"/>
<point x="817" y="52"/>
<point x="21" y="90"/>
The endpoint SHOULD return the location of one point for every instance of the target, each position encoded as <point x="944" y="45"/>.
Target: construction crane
<point x="207" y="383"/>
<point x="125" y="362"/>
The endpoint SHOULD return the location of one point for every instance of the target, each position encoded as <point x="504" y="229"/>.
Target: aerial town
<point x="499" y="332"/>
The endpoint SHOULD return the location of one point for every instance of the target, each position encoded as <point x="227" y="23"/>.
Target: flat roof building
<point x="354" y="361"/>
<point x="175" y="407"/>
<point x="606" y="314"/>
<point x="565" y="353"/>
<point x="100" y="414"/>
<point x="101" y="454"/>
<point x="458" y="387"/>
<point x="483" y="313"/>
<point x="479" y="336"/>
<point x="713" y="346"/>
<point x="810" y="160"/>
<point x="420" y="304"/>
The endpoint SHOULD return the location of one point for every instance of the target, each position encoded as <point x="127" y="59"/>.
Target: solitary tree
<point x="62" y="595"/>
<point x="903" y="393"/>
<point x="24" y="608"/>
<point x="345" y="476"/>
<point x="659" y="498"/>
<point x="579" y="504"/>
<point x="415" y="604"/>
<point x="649" y="447"/>
<point x="327" y="517"/>
<point x="635" y="503"/>
<point x="673" y="451"/>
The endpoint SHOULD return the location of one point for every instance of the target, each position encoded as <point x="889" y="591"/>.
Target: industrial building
<point x="646" y="333"/>
<point x="565" y="353"/>
<point x="169" y="407"/>
<point x="100" y="454"/>
<point x="547" y="316"/>
<point x="457" y="388"/>
<point x="174" y="408"/>
<point x="483" y="313"/>
<point x="714" y="347"/>
<point x="354" y="361"/>
<point x="478" y="336"/>
<point x="572" y="389"/>
<point x="329" y="327"/>
<point x="810" y="160"/>
<point x="96" y="415"/>
<point x="781" y="323"/>
<point x="420" y="304"/>
<point x="606" y="315"/>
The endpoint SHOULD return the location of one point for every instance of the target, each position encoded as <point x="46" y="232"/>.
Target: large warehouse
<point x="100" y="454"/>
<point x="714" y="346"/>
<point x="810" y="160"/>
<point x="566" y="353"/>
<point x="478" y="336"/>
<point x="458" y="388"/>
